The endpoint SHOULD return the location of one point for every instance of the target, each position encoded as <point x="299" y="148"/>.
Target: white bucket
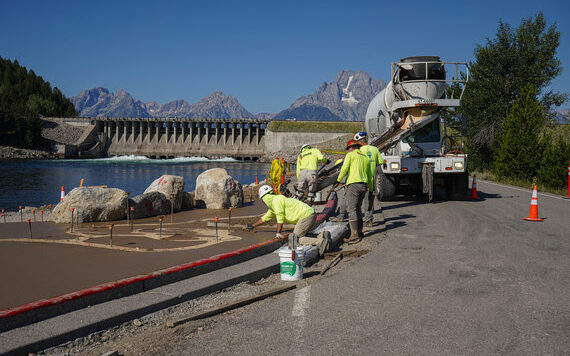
<point x="291" y="268"/>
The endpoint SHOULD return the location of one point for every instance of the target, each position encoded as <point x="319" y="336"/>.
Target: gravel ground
<point x="56" y="131"/>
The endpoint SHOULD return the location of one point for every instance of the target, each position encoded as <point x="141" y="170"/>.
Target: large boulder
<point x="150" y="204"/>
<point x="216" y="189"/>
<point x="167" y="185"/>
<point x="92" y="204"/>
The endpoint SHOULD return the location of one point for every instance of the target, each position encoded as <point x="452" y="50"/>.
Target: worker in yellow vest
<point x="374" y="159"/>
<point x="307" y="163"/>
<point x="358" y="182"/>
<point x="291" y="211"/>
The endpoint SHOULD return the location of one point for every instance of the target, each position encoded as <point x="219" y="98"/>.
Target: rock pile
<point x="21" y="153"/>
<point x="215" y="189"/>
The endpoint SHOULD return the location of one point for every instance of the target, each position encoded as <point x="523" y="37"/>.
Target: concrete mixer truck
<point x="405" y="122"/>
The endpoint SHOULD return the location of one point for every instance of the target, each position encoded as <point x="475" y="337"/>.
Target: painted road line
<point x="523" y="190"/>
<point x="300" y="304"/>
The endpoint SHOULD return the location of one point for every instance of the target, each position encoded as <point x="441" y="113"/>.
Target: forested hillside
<point x="24" y="98"/>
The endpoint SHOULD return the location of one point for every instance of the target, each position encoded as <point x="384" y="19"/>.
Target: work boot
<point x="360" y="226"/>
<point x="326" y="243"/>
<point x="353" y="232"/>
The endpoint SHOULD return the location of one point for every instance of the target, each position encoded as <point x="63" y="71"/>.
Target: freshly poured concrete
<point x="56" y="261"/>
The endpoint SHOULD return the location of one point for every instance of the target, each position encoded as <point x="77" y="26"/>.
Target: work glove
<point x="279" y="236"/>
<point x="248" y="227"/>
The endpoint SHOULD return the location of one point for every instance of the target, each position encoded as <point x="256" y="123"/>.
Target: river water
<point x="39" y="182"/>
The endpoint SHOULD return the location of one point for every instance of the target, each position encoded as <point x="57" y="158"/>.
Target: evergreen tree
<point x="554" y="163"/>
<point x="500" y="70"/>
<point x="519" y="146"/>
<point x="24" y="96"/>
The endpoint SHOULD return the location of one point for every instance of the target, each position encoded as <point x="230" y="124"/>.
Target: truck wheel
<point x="457" y="186"/>
<point x="385" y="188"/>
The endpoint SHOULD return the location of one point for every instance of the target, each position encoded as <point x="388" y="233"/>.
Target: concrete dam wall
<point x="242" y="139"/>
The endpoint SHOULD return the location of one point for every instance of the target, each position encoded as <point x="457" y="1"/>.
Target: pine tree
<point x="501" y="69"/>
<point x="519" y="149"/>
<point x="554" y="163"/>
<point x="24" y="96"/>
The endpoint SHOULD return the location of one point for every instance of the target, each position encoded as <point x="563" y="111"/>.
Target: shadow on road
<point x="389" y="224"/>
<point x="389" y="206"/>
<point x="484" y="196"/>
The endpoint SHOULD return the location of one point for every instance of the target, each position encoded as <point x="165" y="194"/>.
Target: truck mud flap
<point x="427" y="179"/>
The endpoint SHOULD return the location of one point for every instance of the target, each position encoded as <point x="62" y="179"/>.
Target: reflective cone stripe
<point x="533" y="213"/>
<point x="474" y="188"/>
<point x="62" y="193"/>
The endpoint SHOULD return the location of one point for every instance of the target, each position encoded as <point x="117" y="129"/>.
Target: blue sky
<point x="264" y="53"/>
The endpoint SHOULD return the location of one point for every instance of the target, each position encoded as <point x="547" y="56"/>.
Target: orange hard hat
<point x="352" y="143"/>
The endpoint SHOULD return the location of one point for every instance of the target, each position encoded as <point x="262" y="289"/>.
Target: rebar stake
<point x="34" y="214"/>
<point x="127" y="202"/>
<point x="111" y="235"/>
<point x="229" y="218"/>
<point x="216" y="228"/>
<point x="132" y="220"/>
<point x="30" y="226"/>
<point x="160" y="219"/>
<point x="21" y="214"/>
<point x="72" y="210"/>
<point x="4" y="215"/>
<point x="171" y="206"/>
<point x="42" y="214"/>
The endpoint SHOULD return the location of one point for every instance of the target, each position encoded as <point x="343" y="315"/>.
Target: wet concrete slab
<point x="57" y="260"/>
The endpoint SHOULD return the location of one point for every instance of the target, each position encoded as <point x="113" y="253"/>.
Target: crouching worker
<point x="291" y="211"/>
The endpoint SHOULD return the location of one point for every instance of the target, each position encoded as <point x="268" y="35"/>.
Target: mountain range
<point x="345" y="98"/>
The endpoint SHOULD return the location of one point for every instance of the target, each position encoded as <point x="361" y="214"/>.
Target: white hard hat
<point x="359" y="136"/>
<point x="306" y="145"/>
<point x="264" y="190"/>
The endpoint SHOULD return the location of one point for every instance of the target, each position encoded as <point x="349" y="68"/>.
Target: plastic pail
<point x="291" y="264"/>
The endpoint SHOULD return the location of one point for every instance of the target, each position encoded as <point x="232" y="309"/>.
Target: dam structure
<point x="170" y="138"/>
<point x="165" y="138"/>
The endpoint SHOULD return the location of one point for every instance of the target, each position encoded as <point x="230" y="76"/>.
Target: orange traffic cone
<point x="474" y="188"/>
<point x="533" y="213"/>
<point x="62" y="193"/>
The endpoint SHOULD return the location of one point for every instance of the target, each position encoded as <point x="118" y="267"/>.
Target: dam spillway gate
<point x="242" y="139"/>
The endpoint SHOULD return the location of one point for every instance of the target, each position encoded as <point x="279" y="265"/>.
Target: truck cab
<point x="405" y="122"/>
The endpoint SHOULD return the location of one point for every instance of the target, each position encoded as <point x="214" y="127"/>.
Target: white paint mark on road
<point x="522" y="189"/>
<point x="301" y="301"/>
<point x="300" y="304"/>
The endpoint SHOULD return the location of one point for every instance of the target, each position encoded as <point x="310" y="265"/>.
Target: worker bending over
<point x="358" y="182"/>
<point x="291" y="211"/>
<point x="307" y="163"/>
<point x="374" y="159"/>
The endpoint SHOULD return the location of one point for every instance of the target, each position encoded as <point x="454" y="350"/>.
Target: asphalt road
<point x="448" y="278"/>
<point x="445" y="278"/>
